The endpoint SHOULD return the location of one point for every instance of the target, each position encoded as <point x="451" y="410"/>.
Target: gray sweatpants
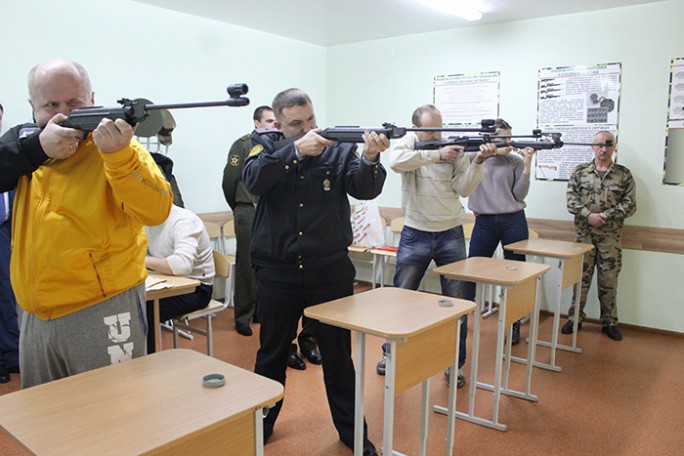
<point x="106" y="333"/>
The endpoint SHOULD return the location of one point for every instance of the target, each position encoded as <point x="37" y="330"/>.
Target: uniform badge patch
<point x="256" y="149"/>
<point x="234" y="160"/>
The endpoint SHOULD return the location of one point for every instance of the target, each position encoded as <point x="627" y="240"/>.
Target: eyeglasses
<point x="607" y="145"/>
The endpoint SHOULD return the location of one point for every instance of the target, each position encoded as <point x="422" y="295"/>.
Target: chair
<point x="468" y="230"/>
<point x="222" y="267"/>
<point x="215" y="236"/>
<point x="228" y="234"/>
<point x="387" y="252"/>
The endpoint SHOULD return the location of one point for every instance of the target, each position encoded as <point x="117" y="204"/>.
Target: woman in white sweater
<point x="180" y="246"/>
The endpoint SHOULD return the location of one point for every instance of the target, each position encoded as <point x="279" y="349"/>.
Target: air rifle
<point x="540" y="140"/>
<point x="133" y="112"/>
<point x="391" y="131"/>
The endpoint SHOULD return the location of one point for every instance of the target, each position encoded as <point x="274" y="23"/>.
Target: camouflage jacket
<point x="614" y="194"/>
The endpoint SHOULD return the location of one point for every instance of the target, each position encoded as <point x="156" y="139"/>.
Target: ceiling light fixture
<point x="454" y="8"/>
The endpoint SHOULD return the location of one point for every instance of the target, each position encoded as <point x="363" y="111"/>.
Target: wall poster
<point x="576" y="101"/>
<point x="674" y="142"/>
<point x="466" y="99"/>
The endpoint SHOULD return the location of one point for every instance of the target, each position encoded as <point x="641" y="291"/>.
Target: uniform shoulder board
<point x="245" y="137"/>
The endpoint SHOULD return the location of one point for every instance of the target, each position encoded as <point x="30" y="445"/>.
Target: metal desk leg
<point x="358" y="400"/>
<point x="425" y="406"/>
<point x="373" y="273"/>
<point x="450" y="409"/>
<point x="391" y="370"/>
<point x="490" y="305"/>
<point x="259" y="432"/>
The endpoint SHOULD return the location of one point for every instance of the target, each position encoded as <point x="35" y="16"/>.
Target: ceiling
<point x="333" y="22"/>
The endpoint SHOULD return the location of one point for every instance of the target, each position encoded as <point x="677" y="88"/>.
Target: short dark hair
<point x="288" y="98"/>
<point x="420" y="110"/>
<point x="258" y="112"/>
<point x="1" y="108"/>
<point x="500" y="124"/>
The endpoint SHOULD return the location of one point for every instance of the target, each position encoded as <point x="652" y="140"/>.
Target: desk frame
<point x="515" y="294"/>
<point x="180" y="286"/>
<point x="375" y="312"/>
<point x="568" y="261"/>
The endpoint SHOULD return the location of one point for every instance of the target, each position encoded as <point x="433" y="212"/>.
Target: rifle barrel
<point x="201" y="104"/>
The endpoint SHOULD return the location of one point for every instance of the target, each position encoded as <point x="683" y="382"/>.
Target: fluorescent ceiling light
<point x="454" y="8"/>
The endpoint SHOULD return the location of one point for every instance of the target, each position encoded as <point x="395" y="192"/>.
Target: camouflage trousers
<point x="606" y="259"/>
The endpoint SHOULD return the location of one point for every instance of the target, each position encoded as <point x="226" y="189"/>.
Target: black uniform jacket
<point x="302" y="218"/>
<point x="20" y="155"/>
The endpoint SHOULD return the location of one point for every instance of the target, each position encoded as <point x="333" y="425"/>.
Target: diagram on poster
<point x="576" y="101"/>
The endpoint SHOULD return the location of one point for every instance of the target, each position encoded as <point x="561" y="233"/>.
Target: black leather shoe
<point x="515" y="339"/>
<point x="312" y="355"/>
<point x="4" y="375"/>
<point x="295" y="362"/>
<point x="243" y="329"/>
<point x="567" y="327"/>
<point x="612" y="331"/>
<point x="369" y="449"/>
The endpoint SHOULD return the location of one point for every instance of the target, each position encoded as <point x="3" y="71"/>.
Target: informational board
<point x="576" y="101"/>
<point x="674" y="143"/>
<point x="466" y="99"/>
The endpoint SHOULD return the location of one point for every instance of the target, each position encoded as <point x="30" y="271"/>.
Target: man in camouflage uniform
<point x="601" y="194"/>
<point x="242" y="203"/>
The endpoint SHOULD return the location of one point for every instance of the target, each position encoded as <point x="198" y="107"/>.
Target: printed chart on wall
<point x="466" y="99"/>
<point x="674" y="145"/>
<point x="576" y="101"/>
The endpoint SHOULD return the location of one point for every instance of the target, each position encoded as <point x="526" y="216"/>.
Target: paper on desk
<point x="156" y="283"/>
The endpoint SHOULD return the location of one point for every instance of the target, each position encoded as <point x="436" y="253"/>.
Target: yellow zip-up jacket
<point x="78" y="228"/>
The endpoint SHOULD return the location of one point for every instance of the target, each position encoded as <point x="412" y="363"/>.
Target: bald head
<point x="58" y="86"/>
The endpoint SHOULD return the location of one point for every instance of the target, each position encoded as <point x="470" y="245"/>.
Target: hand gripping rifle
<point x="391" y="131"/>
<point x="133" y="112"/>
<point x="538" y="140"/>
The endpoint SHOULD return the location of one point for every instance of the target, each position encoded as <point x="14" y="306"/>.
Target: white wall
<point x="135" y="50"/>
<point x="384" y="80"/>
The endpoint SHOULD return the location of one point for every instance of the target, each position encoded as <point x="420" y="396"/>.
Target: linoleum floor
<point x="615" y="398"/>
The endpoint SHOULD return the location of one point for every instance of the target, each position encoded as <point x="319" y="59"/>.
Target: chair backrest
<point x="228" y="229"/>
<point x="533" y="234"/>
<point x="468" y="230"/>
<point x="213" y="229"/>
<point x="396" y="226"/>
<point x="221" y="264"/>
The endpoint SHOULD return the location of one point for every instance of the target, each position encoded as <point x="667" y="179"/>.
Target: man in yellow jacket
<point x="78" y="245"/>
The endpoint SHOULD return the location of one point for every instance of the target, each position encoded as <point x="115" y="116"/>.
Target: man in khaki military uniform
<point x="601" y="194"/>
<point x="242" y="203"/>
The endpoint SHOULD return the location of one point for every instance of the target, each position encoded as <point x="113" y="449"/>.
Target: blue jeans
<point x="488" y="231"/>
<point x="416" y="250"/>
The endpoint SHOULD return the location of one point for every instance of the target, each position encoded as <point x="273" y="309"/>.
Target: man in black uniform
<point x="300" y="237"/>
<point x="242" y="203"/>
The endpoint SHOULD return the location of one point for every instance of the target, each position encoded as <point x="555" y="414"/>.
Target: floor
<point x="616" y="398"/>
